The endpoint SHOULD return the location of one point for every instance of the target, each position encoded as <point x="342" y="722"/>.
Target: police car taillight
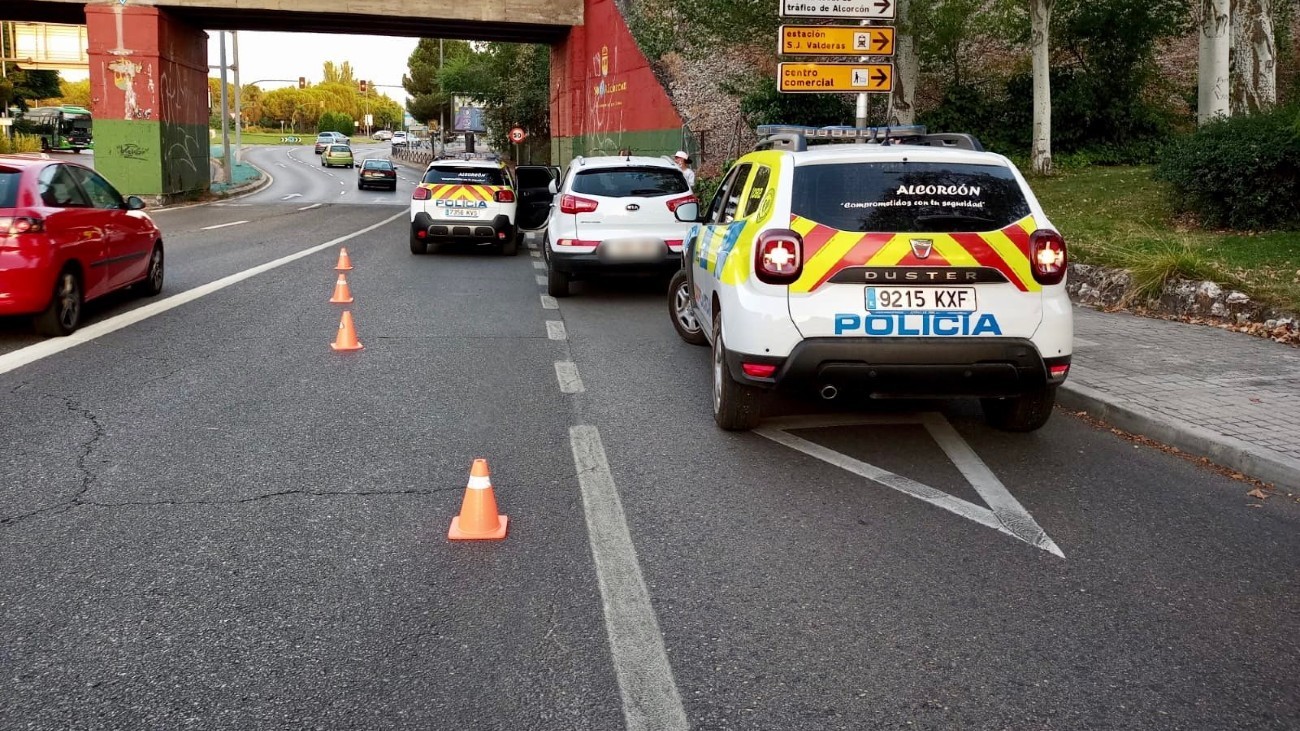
<point x="576" y="204"/>
<point x="421" y="194"/>
<point x="1047" y="256"/>
<point x="778" y="256"/>
<point x="504" y="196"/>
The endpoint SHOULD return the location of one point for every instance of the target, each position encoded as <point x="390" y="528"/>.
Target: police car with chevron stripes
<point x="909" y="265"/>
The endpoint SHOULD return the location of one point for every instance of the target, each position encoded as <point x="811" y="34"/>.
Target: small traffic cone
<point x="347" y="337"/>
<point x="478" y="519"/>
<point x="342" y="294"/>
<point x="345" y="264"/>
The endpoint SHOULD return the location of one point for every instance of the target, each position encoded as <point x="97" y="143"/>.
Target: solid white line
<point x="46" y="348"/>
<point x="983" y="516"/>
<point x="541" y="280"/>
<point x="1005" y="506"/>
<point x="555" y="330"/>
<point x="549" y="303"/>
<point x="566" y="372"/>
<point x="539" y="265"/>
<point x="222" y="225"/>
<point x="651" y="701"/>
<point x="308" y="208"/>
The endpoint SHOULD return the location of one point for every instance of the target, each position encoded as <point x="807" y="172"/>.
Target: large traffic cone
<point x="345" y="264"/>
<point x="478" y="519"/>
<point x="347" y="337"/>
<point x="342" y="294"/>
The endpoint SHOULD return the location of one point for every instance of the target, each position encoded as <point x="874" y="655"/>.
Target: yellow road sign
<point x="813" y="78"/>
<point x="836" y="40"/>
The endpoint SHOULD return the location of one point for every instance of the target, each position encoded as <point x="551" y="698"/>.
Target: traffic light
<point x="363" y="86"/>
<point x="302" y="82"/>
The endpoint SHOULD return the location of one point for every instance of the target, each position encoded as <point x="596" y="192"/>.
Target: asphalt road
<point x="208" y="519"/>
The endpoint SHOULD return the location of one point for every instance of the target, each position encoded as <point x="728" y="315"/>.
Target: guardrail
<point x="418" y="153"/>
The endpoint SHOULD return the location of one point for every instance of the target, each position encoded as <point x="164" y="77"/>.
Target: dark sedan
<point x="377" y="174"/>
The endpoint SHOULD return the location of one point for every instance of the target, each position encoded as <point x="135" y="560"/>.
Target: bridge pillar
<point x="149" y="97"/>
<point x="604" y="95"/>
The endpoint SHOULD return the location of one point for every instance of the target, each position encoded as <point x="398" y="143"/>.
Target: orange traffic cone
<point x="345" y="264"/>
<point x="342" y="294"/>
<point x="347" y="337"/>
<point x="478" y="519"/>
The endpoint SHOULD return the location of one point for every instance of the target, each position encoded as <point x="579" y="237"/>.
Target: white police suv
<point x="471" y="200"/>
<point x="915" y="265"/>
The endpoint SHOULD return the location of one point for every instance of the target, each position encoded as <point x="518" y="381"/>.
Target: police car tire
<point x="694" y="337"/>
<point x="736" y="407"/>
<point x="418" y="246"/>
<point x="557" y="282"/>
<point x="511" y="246"/>
<point x="1025" y="413"/>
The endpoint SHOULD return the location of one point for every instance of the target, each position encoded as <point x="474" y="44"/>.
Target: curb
<point x="1244" y="457"/>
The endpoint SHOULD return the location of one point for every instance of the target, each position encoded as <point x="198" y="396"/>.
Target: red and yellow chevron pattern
<point x="458" y="192"/>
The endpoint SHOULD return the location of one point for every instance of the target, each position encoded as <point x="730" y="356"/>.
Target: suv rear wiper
<point x="647" y="191"/>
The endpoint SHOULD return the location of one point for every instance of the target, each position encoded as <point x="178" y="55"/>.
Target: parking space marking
<point x="308" y="208"/>
<point x="651" y="700"/>
<point x="539" y="265"/>
<point x="566" y="372"/>
<point x="555" y="330"/>
<point x="550" y="303"/>
<point x="535" y="253"/>
<point x="1003" y="513"/>
<point x="541" y="280"/>
<point x="44" y="349"/>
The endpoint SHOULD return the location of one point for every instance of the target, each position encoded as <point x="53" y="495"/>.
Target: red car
<point x="66" y="237"/>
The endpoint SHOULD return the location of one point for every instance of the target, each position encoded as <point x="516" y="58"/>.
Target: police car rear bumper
<point x="497" y="230"/>
<point x="908" y="367"/>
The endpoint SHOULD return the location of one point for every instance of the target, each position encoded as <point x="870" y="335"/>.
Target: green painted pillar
<point x="149" y="97"/>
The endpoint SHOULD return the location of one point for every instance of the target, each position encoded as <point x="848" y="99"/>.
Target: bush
<point x="336" y="122"/>
<point x="1241" y="172"/>
<point x="19" y="143"/>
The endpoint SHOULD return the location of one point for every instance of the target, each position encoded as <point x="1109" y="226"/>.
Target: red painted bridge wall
<point x="604" y="95"/>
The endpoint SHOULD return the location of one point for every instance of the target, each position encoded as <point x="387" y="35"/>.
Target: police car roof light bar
<point x="796" y="138"/>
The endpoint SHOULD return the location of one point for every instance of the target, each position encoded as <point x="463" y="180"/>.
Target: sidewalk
<point x="1227" y="396"/>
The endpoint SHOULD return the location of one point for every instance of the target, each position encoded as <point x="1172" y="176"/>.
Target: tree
<point x="1253" y="58"/>
<point x="31" y="87"/>
<point x="1040" y="151"/>
<point x="902" y="100"/>
<point x="75" y="93"/>
<point x="1212" y="93"/>
<point x="512" y="83"/>
<point x="339" y="73"/>
<point x="428" y="100"/>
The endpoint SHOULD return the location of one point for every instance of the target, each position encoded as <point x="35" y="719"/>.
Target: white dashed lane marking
<point x="555" y="330"/>
<point x="549" y="302"/>
<point x="540" y="280"/>
<point x="566" y="372"/>
<point x="222" y="225"/>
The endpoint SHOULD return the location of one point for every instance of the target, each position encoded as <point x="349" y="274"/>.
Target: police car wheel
<point x="682" y="313"/>
<point x="511" y="246"/>
<point x="418" y="245"/>
<point x="1025" y="413"/>
<point x="736" y="407"/>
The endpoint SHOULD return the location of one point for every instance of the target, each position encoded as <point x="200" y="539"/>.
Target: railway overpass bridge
<point x="149" y="69"/>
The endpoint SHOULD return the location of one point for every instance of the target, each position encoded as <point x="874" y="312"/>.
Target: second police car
<point x="916" y="265"/>
<point x="474" y="200"/>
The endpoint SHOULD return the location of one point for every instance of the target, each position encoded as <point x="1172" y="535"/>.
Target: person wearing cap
<point x="684" y="162"/>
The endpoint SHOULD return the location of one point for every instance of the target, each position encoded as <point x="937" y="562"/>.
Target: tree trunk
<point x="1254" y="59"/>
<point x="906" y="71"/>
<point x="1040" y="153"/>
<point x="1212" y="94"/>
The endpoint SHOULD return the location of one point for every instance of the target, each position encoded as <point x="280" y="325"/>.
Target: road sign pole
<point x="861" y="120"/>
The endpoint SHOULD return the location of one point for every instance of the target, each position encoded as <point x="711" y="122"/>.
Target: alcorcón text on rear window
<point x="451" y="175"/>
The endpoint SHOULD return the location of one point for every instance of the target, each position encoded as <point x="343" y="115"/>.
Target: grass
<point x="1119" y="216"/>
<point x="271" y="138"/>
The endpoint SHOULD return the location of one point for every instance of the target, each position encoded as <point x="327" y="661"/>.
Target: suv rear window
<point x="9" y="188"/>
<point x="908" y="196"/>
<point x="450" y="174"/>
<point x="630" y="182"/>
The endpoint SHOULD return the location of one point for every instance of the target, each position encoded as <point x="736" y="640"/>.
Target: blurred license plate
<point x="635" y="249"/>
<point x="934" y="299"/>
<point x="461" y="213"/>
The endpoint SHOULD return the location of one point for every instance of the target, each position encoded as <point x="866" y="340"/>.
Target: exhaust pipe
<point x="829" y="392"/>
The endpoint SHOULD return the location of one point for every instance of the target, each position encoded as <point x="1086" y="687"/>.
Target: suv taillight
<point x="575" y="204"/>
<point x="1047" y="256"/>
<point x="676" y="203"/>
<point x="778" y="256"/>
<point x="421" y="194"/>
<point x="13" y="226"/>
<point x="505" y="196"/>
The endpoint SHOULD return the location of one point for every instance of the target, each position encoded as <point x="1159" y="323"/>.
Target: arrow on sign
<point x="883" y="6"/>
<point x="882" y="41"/>
<point x="880" y="77"/>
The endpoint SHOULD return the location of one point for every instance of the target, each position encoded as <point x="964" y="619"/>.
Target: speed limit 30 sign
<point x="517" y="134"/>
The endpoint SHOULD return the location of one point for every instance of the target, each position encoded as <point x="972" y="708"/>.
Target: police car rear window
<point x="451" y="175"/>
<point x="9" y="188"/>
<point x="630" y="182"/>
<point x="908" y="196"/>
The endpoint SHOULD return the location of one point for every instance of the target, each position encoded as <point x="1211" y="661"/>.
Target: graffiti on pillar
<point x="132" y="151"/>
<point x="181" y="145"/>
<point x="605" y="113"/>
<point x="124" y="72"/>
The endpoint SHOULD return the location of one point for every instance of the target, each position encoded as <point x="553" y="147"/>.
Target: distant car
<point x="382" y="135"/>
<point x="615" y="214"/>
<point x="325" y="139"/>
<point x="377" y="173"/>
<point x="66" y="237"/>
<point x="337" y="155"/>
<point x="399" y="139"/>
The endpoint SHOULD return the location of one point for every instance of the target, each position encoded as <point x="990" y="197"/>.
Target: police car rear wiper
<point x="953" y="217"/>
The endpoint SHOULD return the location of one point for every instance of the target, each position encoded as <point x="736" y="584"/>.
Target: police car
<point x="469" y="199"/>
<point x="913" y="265"/>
